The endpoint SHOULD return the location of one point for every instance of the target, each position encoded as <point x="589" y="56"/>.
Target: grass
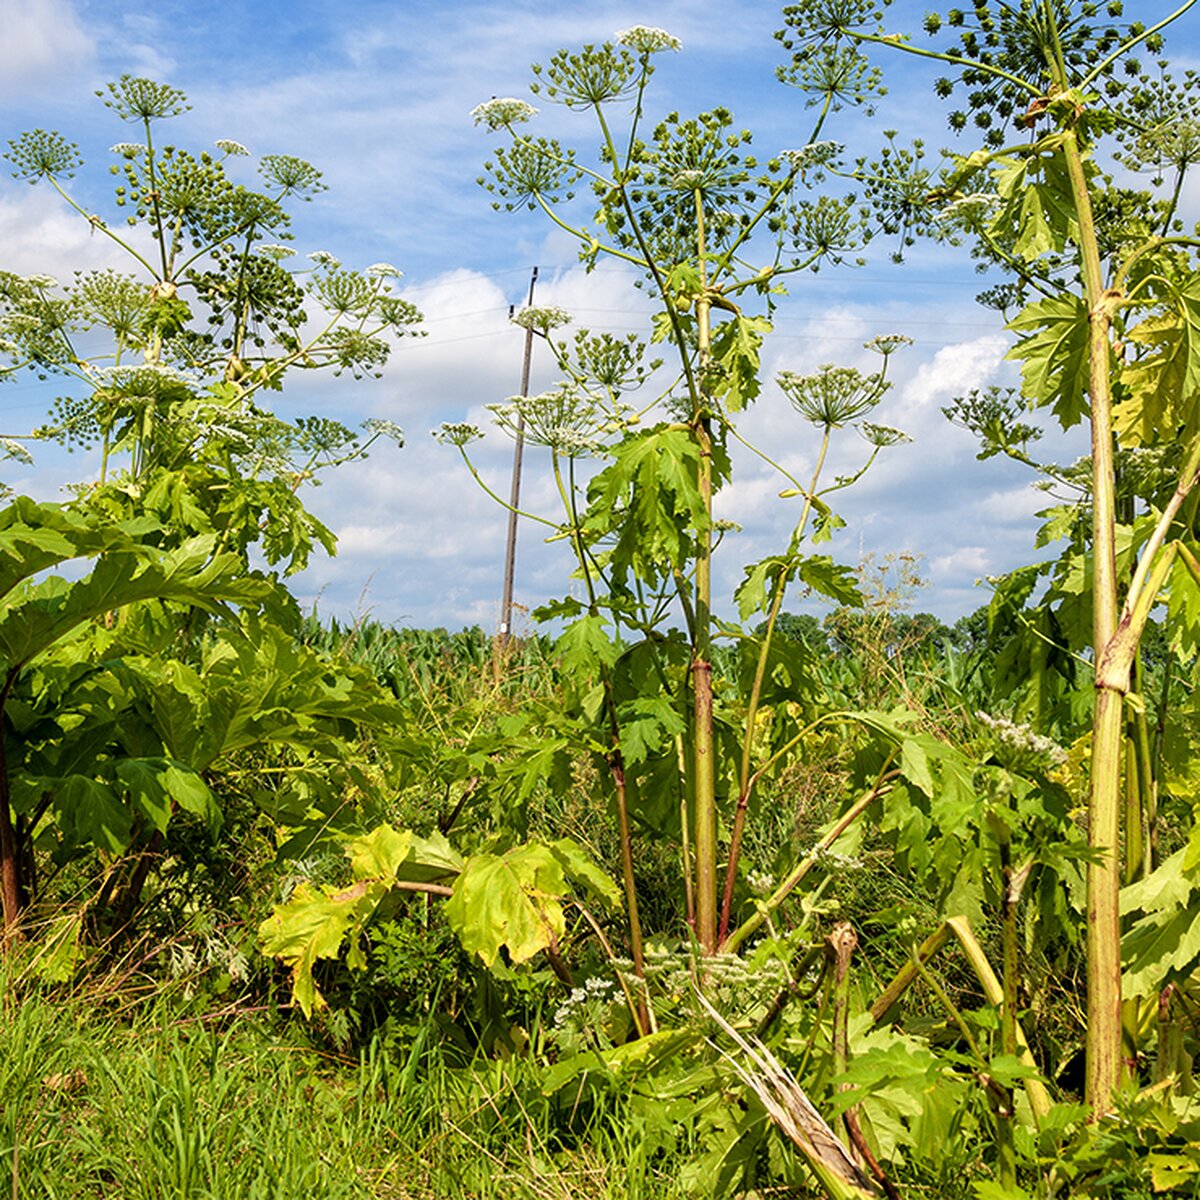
<point x="153" y="1105"/>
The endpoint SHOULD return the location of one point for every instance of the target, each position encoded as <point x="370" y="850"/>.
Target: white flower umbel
<point x="41" y="281"/>
<point x="457" y="433"/>
<point x="324" y="259"/>
<point x="542" y="318"/>
<point x="647" y="39"/>
<point x="127" y="149"/>
<point x="228" y="146"/>
<point x="1023" y="739"/>
<point x="815" y="154"/>
<point x="271" y="250"/>
<point x="970" y="209"/>
<point x="384" y="271"/>
<point x="380" y="427"/>
<point x="500" y="112"/>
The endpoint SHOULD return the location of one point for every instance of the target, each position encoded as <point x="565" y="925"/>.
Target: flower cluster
<point x="542" y="318"/>
<point x="760" y="883"/>
<point x="563" y="419"/>
<point x="583" y="1002"/>
<point x="883" y="435"/>
<point x="382" y="270"/>
<point x="971" y="209"/>
<point x="324" y="259"/>
<point x="887" y="343"/>
<point x="1023" y="739"/>
<point x="379" y="427"/>
<point x="815" y="154"/>
<point x="457" y="433"/>
<point x="831" y="860"/>
<point x="501" y="112"/>
<point x="646" y="39"/>
<point x="228" y="146"/>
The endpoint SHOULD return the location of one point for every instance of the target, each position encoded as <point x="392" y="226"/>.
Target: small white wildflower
<point x="19" y="323"/>
<point x="760" y="882"/>
<point x="970" y="208"/>
<point x="379" y="427"/>
<point x="646" y="39"/>
<point x="127" y="149"/>
<point x="542" y="318"/>
<point x="13" y="449"/>
<point x="831" y="860"/>
<point x="1023" y="739"/>
<point x="457" y="433"/>
<point x="271" y="250"/>
<point x="150" y="379"/>
<point x="324" y="259"/>
<point x="384" y="271"/>
<point x="231" y="147"/>
<point x="499" y="112"/>
<point x="887" y="343"/>
<point x="883" y="435"/>
<point x="687" y="180"/>
<point x="41" y="281"/>
<point x="815" y="154"/>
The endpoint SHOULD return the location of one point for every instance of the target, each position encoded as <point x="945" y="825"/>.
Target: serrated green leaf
<point x="581" y="869"/>
<point x="1165" y="888"/>
<point x="585" y="646"/>
<point x="829" y="579"/>
<point x="1160" y="947"/>
<point x="736" y="346"/>
<point x="89" y="811"/>
<point x="1054" y="354"/>
<point x="1163" y="382"/>
<point x="646" y="725"/>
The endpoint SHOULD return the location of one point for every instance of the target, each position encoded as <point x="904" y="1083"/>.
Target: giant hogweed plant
<point x="678" y="749"/>
<point x="166" y="367"/>
<point x="1104" y="289"/>
<point x="126" y="694"/>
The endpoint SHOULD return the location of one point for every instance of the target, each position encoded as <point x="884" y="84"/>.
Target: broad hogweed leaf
<point x="312" y="925"/>
<point x="1054" y="354"/>
<point x="1164" y="383"/>
<point x="580" y="868"/>
<point x="511" y="901"/>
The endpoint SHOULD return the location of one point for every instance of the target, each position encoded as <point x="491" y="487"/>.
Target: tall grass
<point x="149" y="1106"/>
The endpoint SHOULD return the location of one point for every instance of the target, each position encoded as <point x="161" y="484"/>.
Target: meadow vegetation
<point x="790" y="892"/>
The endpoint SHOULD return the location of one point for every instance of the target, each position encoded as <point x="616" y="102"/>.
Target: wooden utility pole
<point x="514" y="495"/>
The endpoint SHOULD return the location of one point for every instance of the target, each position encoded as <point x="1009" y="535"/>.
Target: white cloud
<point x="44" y="47"/>
<point x="42" y="235"/>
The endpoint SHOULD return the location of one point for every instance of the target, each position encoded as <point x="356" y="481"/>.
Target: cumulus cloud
<point x="43" y="49"/>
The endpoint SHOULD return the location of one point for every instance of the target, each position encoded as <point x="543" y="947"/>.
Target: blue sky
<point x="377" y="95"/>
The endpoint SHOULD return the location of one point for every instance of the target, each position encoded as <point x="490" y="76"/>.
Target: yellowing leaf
<point x="312" y="925"/>
<point x="511" y="901"/>
<point x="379" y="854"/>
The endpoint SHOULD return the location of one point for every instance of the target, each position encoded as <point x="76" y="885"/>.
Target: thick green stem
<point x="1035" y="1089"/>
<point x="1008" y="1010"/>
<point x="1104" y="807"/>
<point x="703" y="749"/>
<point x="745" y="779"/>
<point x="616" y="761"/>
<point x="11" y="891"/>
<point x="755" y="922"/>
